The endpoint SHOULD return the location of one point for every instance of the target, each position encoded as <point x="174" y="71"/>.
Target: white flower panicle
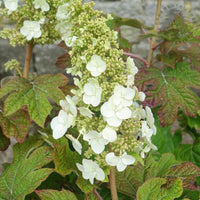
<point x="91" y="170"/>
<point x="42" y="4"/>
<point x="11" y="5"/>
<point x="105" y="98"/>
<point x="31" y="29"/>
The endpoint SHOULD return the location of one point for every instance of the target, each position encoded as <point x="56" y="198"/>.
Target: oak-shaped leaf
<point x="166" y="167"/>
<point x="157" y="188"/>
<point x="15" y="125"/>
<point x="25" y="174"/>
<point x="170" y="89"/>
<point x="132" y="178"/>
<point x="34" y="94"/>
<point x="54" y="194"/>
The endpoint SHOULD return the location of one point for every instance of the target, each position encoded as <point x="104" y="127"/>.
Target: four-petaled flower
<point x="41" y="4"/>
<point x="120" y="162"/>
<point x="115" y="114"/>
<point x="11" y="5"/>
<point x="96" y="65"/>
<point x="98" y="141"/>
<point x="61" y="123"/>
<point x="65" y="118"/>
<point x="31" y="29"/>
<point x="92" y="92"/>
<point x="91" y="170"/>
<point x="62" y="12"/>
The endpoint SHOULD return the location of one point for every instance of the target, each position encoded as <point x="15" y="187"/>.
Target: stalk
<point x="156" y="24"/>
<point x="29" y="50"/>
<point x="113" y="188"/>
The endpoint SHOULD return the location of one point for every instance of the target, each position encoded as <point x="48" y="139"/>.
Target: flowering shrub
<point x="102" y="123"/>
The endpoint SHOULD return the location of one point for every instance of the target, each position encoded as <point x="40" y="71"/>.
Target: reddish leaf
<point x="171" y="90"/>
<point x="15" y="125"/>
<point x="187" y="172"/>
<point x="63" y="61"/>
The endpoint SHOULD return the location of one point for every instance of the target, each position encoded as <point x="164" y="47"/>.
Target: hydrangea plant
<point x="101" y="124"/>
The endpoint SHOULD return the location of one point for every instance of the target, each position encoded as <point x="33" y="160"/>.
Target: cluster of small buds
<point x="112" y="126"/>
<point x="35" y="21"/>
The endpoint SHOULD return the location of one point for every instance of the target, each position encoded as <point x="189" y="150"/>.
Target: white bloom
<point x="85" y="112"/>
<point x="62" y="12"/>
<point x="146" y="131"/>
<point x="141" y="96"/>
<point x="109" y="134"/>
<point x="75" y="143"/>
<point x="92" y="92"/>
<point x="96" y="65"/>
<point x="91" y="170"/>
<point x="150" y="119"/>
<point x="139" y="113"/>
<point x="147" y="148"/>
<point x="41" y="4"/>
<point x="132" y="70"/>
<point x="114" y="114"/>
<point x="69" y="40"/>
<point x="120" y="162"/>
<point x="11" y="5"/>
<point x="31" y="29"/>
<point x="96" y="140"/>
<point x="68" y="105"/>
<point x="60" y="124"/>
<point x="123" y="96"/>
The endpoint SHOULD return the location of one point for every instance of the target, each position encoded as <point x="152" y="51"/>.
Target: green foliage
<point x="34" y="94"/>
<point x="54" y="194"/>
<point x="4" y="141"/>
<point x="189" y="152"/>
<point x="154" y="189"/>
<point x="166" y="167"/>
<point x="178" y="31"/>
<point x="26" y="172"/>
<point x="15" y="125"/>
<point x="170" y="89"/>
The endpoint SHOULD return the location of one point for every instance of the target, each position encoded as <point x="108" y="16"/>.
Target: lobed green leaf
<point x="26" y="172"/>
<point x="171" y="90"/>
<point x="156" y="188"/>
<point x="34" y="94"/>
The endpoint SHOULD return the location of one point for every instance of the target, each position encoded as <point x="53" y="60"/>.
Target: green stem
<point x="29" y="50"/>
<point x="153" y="42"/>
<point x="113" y="184"/>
